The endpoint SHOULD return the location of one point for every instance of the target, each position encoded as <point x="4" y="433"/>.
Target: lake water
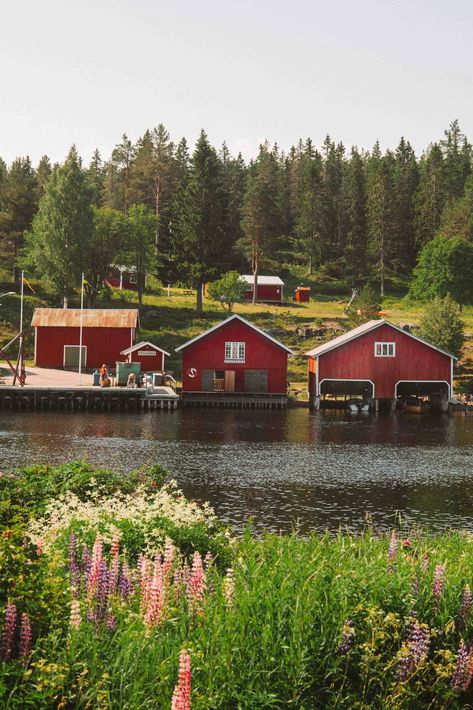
<point x="321" y="471"/>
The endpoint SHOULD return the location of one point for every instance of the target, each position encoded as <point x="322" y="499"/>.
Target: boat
<point x="414" y="405"/>
<point x="358" y="405"/>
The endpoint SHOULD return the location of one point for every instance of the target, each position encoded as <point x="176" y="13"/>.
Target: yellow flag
<point x="29" y="285"/>
<point x="85" y="282"/>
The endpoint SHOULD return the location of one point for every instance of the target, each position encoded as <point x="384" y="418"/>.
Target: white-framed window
<point x="234" y="352"/>
<point x="385" y="349"/>
<point x="133" y="278"/>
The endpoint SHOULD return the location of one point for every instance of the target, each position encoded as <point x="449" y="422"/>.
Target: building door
<point x="229" y="380"/>
<point x="71" y="356"/>
<point x="207" y="380"/>
<point x="256" y="380"/>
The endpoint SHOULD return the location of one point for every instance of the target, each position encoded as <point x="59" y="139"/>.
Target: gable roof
<point x="228" y="320"/>
<point x="91" y="318"/>
<point x="366" y="328"/>
<point x="143" y="344"/>
<point x="262" y="280"/>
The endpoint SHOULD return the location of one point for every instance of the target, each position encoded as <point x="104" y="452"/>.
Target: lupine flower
<point x="348" y="637"/>
<point x="95" y="568"/>
<point x="229" y="587"/>
<point x="414" y="650"/>
<point x="463" y="672"/>
<point x="39" y="546"/>
<point x="197" y="584"/>
<point x="75" y="616"/>
<point x="465" y="607"/>
<point x="86" y="560"/>
<point x="208" y="559"/>
<point x="155" y="597"/>
<point x="72" y="551"/>
<point x="25" y="636"/>
<point x="425" y="563"/>
<point x="124" y="583"/>
<point x="8" y="635"/>
<point x="181" y="697"/>
<point x="438" y="581"/>
<point x="111" y="621"/>
<point x="393" y="545"/>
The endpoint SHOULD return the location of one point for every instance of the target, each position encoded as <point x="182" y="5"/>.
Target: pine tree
<point x="200" y="233"/>
<point x="380" y="213"/>
<point x="405" y="183"/>
<point x="96" y="174"/>
<point x="139" y="248"/>
<point x="331" y="239"/>
<point x="430" y="197"/>
<point x="457" y="161"/>
<point x="308" y="219"/>
<point x="43" y="173"/>
<point x="117" y="176"/>
<point x="19" y="203"/>
<point x="261" y="223"/>
<point x="457" y="219"/>
<point x="354" y="210"/>
<point x="61" y="234"/>
<point x="234" y="182"/>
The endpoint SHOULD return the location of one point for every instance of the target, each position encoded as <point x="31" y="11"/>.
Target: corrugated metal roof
<point x="228" y="320"/>
<point x="143" y="344"/>
<point x="91" y="318"/>
<point x="366" y="328"/>
<point x="262" y="280"/>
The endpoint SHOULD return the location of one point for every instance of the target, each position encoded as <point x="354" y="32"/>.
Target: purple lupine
<point x="393" y="546"/>
<point x="8" y="635"/>
<point x="465" y="607"/>
<point x="86" y="560"/>
<point x="348" y="637"/>
<point x="25" y="637"/>
<point x="438" y="581"/>
<point x="111" y="621"/>
<point x="72" y="551"/>
<point x="463" y="672"/>
<point x="124" y="583"/>
<point x="414" y="651"/>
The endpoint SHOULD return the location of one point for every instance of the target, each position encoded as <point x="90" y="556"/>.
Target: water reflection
<point x="319" y="471"/>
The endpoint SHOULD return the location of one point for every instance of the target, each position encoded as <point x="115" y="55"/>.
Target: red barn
<point x="234" y="357"/>
<point x="105" y="333"/>
<point x="148" y="355"/>
<point x="379" y="360"/>
<point x="269" y="288"/>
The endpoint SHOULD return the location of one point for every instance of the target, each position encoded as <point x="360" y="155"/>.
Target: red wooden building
<point x="234" y="357"/>
<point x="379" y="360"/>
<point x="105" y="333"/>
<point x="150" y="356"/>
<point x="268" y="288"/>
<point x="122" y="277"/>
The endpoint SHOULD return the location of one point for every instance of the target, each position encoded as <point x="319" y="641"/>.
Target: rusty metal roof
<point x="91" y="318"/>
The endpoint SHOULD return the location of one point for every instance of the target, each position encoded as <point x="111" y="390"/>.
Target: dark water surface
<point x="323" y="470"/>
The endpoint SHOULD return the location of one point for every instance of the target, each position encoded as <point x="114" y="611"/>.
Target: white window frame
<point x="235" y="351"/>
<point x="133" y="279"/>
<point x="385" y="349"/>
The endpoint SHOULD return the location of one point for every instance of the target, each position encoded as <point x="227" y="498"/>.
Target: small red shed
<point x="379" y="360"/>
<point x="105" y="333"/>
<point x="302" y="294"/>
<point x="234" y="356"/>
<point x="150" y="356"/>
<point x="270" y="289"/>
<point x="122" y="277"/>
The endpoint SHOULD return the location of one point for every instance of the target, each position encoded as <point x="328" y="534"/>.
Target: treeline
<point x="348" y="215"/>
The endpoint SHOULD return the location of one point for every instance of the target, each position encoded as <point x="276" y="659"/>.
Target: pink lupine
<point x="39" y="547"/>
<point x="155" y="599"/>
<point x="438" y="581"/>
<point x="181" y="697"/>
<point x="95" y="568"/>
<point x="25" y="637"/>
<point x="145" y="582"/>
<point x="393" y="545"/>
<point x="465" y="607"/>
<point x="8" y="635"/>
<point x="75" y="616"/>
<point x="168" y="558"/>
<point x="197" y="584"/>
<point x="209" y="558"/>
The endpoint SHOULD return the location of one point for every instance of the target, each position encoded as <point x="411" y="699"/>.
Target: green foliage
<point x="228" y="290"/>
<point x="445" y="266"/>
<point x="442" y="326"/>
<point x="365" y="306"/>
<point x="139" y="248"/>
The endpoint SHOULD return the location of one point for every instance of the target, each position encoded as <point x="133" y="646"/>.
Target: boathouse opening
<point x="336" y="392"/>
<point x="436" y="392"/>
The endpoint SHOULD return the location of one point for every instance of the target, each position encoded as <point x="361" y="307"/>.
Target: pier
<point x="87" y="398"/>
<point x="225" y="400"/>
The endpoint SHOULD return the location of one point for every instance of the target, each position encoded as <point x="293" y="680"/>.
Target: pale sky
<point x="87" y="71"/>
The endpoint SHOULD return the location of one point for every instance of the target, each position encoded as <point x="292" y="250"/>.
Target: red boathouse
<point x="235" y="359"/>
<point x="105" y="333"/>
<point x="380" y="361"/>
<point x="268" y="288"/>
<point x="150" y="356"/>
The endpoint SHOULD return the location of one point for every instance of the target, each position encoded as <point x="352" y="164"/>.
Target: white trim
<point x="73" y="345"/>
<point x="317" y="394"/>
<point x="387" y="343"/>
<point x="451" y="378"/>
<point x="346" y="379"/>
<point x="228" y="320"/>
<point x="400" y="382"/>
<point x="367" y="328"/>
<point x="143" y="343"/>
<point x="35" y="344"/>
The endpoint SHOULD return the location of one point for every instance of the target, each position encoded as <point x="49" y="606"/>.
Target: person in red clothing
<point x="103" y="374"/>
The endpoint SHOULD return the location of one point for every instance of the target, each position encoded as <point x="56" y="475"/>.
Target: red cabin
<point x="234" y="357"/>
<point x="150" y="357"/>
<point x="122" y="277"/>
<point x="105" y="333"/>
<point x="269" y="288"/>
<point x="302" y="294"/>
<point x="379" y="360"/>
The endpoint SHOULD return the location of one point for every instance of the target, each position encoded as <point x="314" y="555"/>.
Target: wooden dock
<point x="87" y="398"/>
<point x="225" y="400"/>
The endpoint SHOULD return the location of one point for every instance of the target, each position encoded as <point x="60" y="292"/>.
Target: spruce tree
<point x="19" y="203"/>
<point x="430" y="197"/>
<point x="380" y="213"/>
<point x="354" y="212"/>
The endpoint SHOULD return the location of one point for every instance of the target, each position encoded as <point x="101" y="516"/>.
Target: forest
<point x="346" y="216"/>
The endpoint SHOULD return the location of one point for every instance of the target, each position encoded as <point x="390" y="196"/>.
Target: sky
<point x="87" y="71"/>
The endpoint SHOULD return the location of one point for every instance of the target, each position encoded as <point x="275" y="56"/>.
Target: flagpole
<point x="80" y="328"/>
<point x="21" y="300"/>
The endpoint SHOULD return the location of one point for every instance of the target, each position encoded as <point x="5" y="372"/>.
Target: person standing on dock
<point x="103" y="374"/>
